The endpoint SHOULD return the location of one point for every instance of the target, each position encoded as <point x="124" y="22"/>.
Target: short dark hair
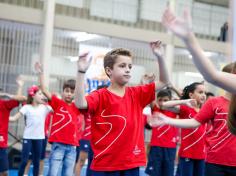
<point x="110" y="57"/>
<point x="164" y="93"/>
<point x="69" y="84"/>
<point x="209" y="94"/>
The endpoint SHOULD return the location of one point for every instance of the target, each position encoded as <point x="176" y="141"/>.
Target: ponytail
<point x="189" y="89"/>
<point x="232" y="109"/>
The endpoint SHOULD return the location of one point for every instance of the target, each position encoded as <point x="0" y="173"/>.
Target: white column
<point x="47" y="37"/>
<point x="232" y="29"/>
<point x="170" y="47"/>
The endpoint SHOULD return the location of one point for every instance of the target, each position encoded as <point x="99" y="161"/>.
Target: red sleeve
<point x="10" y="104"/>
<point x="147" y="93"/>
<point x="183" y="110"/>
<point x="206" y="113"/>
<point x="93" y="101"/>
<point x="54" y="102"/>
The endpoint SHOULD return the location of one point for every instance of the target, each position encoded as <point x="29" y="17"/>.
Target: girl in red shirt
<point x="192" y="149"/>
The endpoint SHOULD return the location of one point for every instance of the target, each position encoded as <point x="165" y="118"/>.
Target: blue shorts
<point x="4" y="165"/>
<point x="77" y="153"/>
<point x="191" y="167"/>
<point x="219" y="170"/>
<point x="161" y="161"/>
<point x="84" y="145"/>
<point x="43" y="152"/>
<point x="133" y="172"/>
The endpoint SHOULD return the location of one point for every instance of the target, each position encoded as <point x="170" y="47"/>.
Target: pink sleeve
<point x="206" y="113"/>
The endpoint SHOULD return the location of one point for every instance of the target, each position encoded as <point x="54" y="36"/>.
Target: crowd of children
<point x="107" y="125"/>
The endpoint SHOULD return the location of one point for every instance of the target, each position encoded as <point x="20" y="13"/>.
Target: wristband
<point x="81" y="71"/>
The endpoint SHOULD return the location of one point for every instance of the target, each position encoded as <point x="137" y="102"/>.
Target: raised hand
<point x="148" y="78"/>
<point x="20" y="81"/>
<point x="157" y="119"/>
<point x="84" y="62"/>
<point x="191" y="103"/>
<point x="179" y="26"/>
<point x="157" y="48"/>
<point x="38" y="67"/>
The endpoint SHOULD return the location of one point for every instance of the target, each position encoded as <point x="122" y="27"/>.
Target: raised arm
<point x="18" y="97"/>
<point x="158" y="51"/>
<point x="174" y="105"/>
<point x="182" y="27"/>
<point x="15" y="117"/>
<point x="39" y="70"/>
<point x="177" y="91"/>
<point x="159" y="119"/>
<point x="82" y="65"/>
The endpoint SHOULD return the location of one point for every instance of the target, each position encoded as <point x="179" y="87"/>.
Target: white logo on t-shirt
<point x="136" y="151"/>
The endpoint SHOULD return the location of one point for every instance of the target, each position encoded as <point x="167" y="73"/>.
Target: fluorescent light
<point x="193" y="74"/>
<point x="84" y="36"/>
<point x="72" y="58"/>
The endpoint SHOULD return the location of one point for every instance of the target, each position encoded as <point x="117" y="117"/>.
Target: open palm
<point x="84" y="62"/>
<point x="157" y="48"/>
<point x="179" y="26"/>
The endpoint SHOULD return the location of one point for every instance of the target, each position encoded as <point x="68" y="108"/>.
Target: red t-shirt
<point x="5" y="108"/>
<point x="64" y="125"/>
<point x="220" y="144"/>
<point x="47" y="123"/>
<point x="117" y="130"/>
<point x="192" y="140"/>
<point x="86" y="135"/>
<point x="81" y="125"/>
<point x="166" y="135"/>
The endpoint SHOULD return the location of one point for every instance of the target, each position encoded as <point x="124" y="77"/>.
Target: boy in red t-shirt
<point x="63" y="127"/>
<point x="117" y="137"/>
<point x="6" y="105"/>
<point x="163" y="141"/>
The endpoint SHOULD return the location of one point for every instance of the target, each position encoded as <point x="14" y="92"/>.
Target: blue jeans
<point x="34" y="145"/>
<point x="62" y="156"/>
<point x="191" y="167"/>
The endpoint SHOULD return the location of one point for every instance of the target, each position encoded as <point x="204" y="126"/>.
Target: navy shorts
<point x="43" y="152"/>
<point x="191" y="167"/>
<point x="219" y="170"/>
<point x="84" y="145"/>
<point x="77" y="153"/>
<point x="133" y="172"/>
<point x="161" y="161"/>
<point x="4" y="165"/>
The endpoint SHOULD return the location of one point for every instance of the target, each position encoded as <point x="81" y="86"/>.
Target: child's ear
<point x="108" y="71"/>
<point x="190" y="95"/>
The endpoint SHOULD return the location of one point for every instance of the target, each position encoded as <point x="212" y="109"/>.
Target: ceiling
<point x="224" y="3"/>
